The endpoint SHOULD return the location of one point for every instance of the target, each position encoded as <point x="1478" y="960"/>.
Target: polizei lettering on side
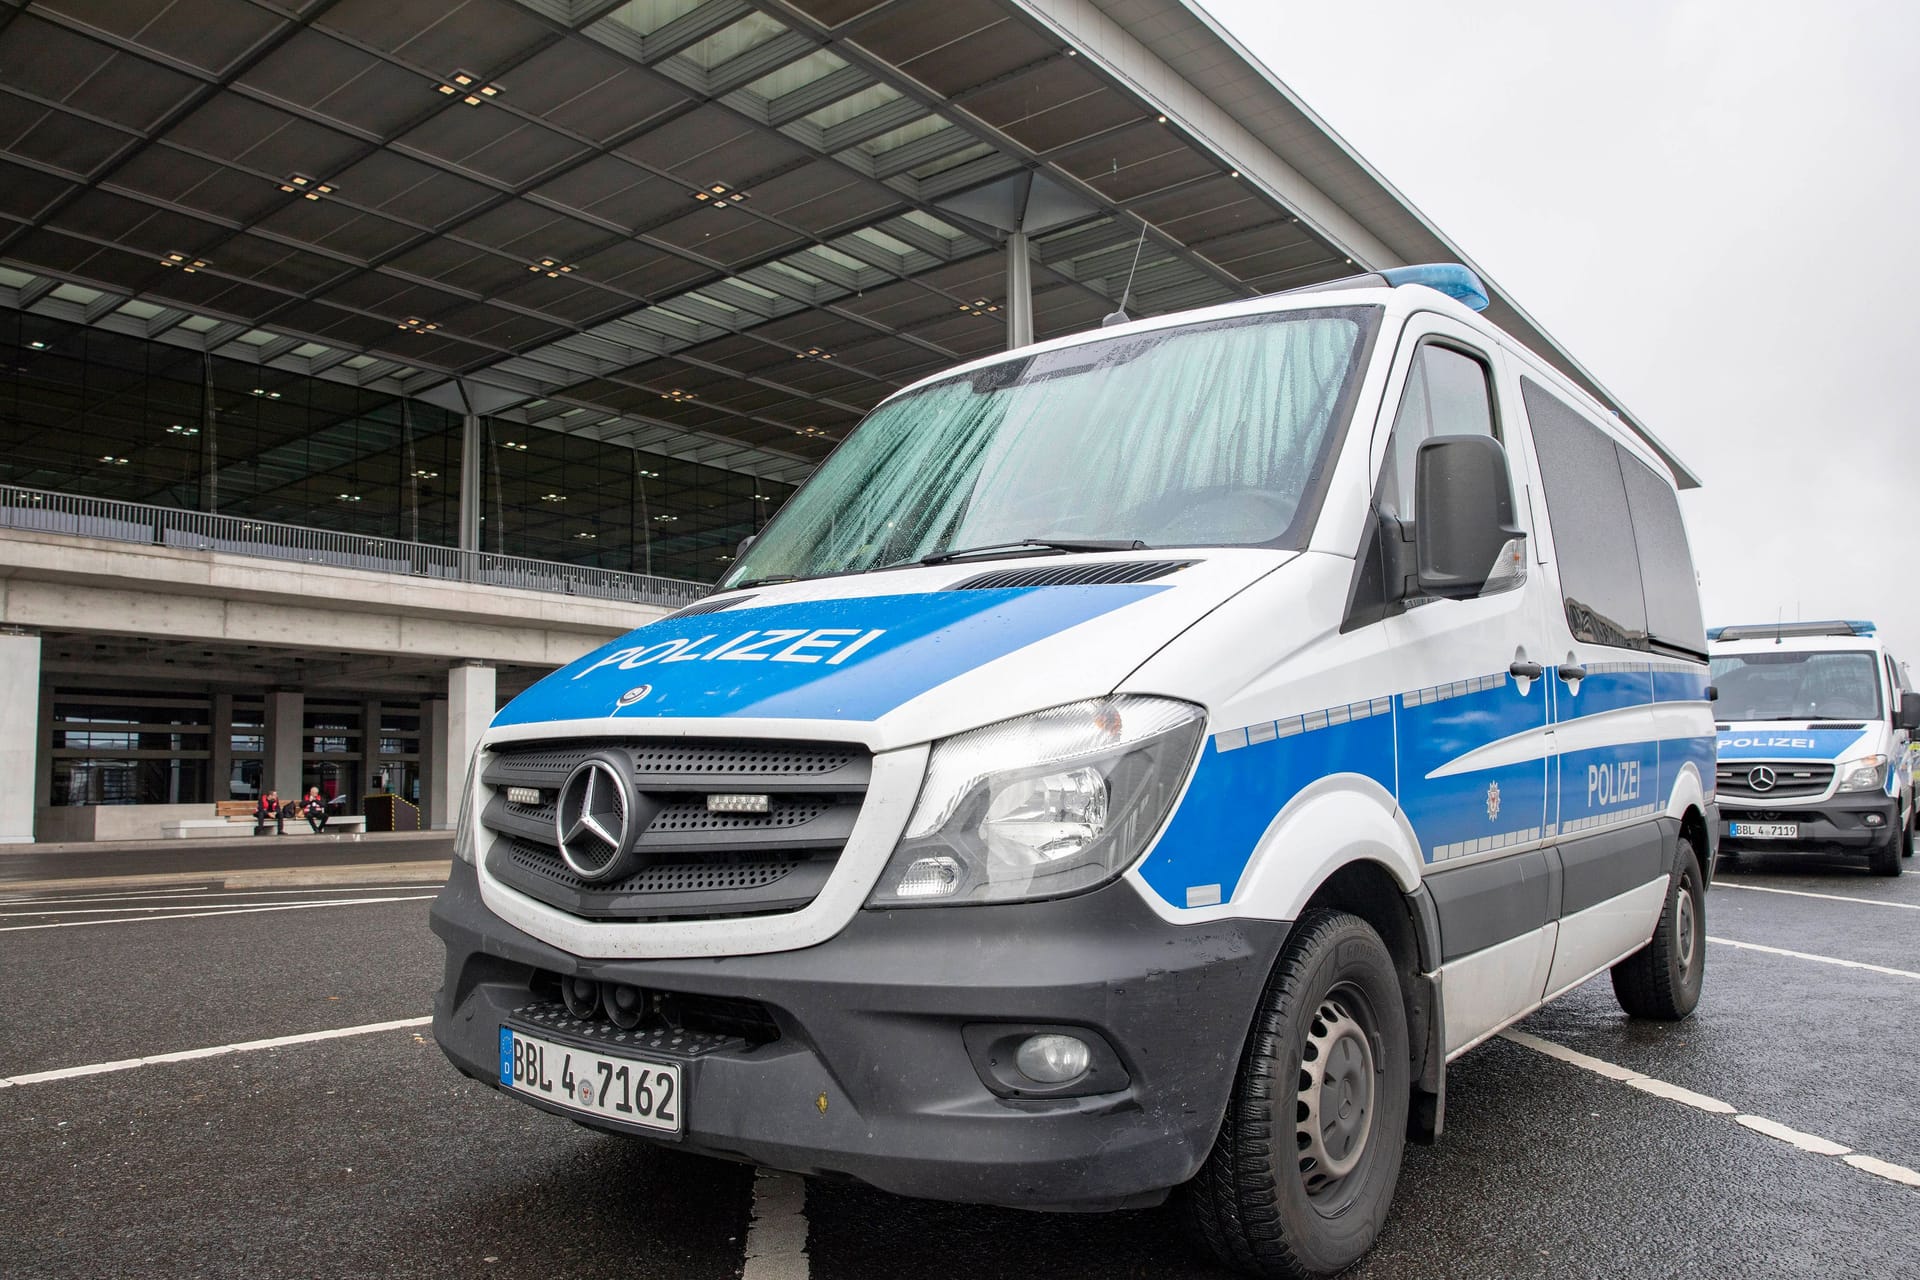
<point x="831" y="645"/>
<point x="1613" y="783"/>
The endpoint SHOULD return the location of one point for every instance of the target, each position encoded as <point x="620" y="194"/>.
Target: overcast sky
<point x="1715" y="206"/>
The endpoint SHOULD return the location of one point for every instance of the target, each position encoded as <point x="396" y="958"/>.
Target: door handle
<point x="1572" y="671"/>
<point x="1526" y="670"/>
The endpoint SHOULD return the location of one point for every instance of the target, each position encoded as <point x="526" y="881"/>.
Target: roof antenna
<point x="1120" y="315"/>
<point x="1779" y="622"/>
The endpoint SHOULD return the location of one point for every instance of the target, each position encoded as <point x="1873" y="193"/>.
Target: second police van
<point x="1131" y="765"/>
<point x="1815" y="722"/>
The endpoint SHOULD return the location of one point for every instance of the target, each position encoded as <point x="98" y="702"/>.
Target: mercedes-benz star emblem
<point x="1761" y="778"/>
<point x="594" y="818"/>
<point x="634" y="695"/>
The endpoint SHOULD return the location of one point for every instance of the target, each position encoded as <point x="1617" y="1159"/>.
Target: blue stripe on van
<point x="841" y="659"/>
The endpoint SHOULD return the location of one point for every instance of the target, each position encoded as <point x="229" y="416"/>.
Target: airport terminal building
<point x="366" y="361"/>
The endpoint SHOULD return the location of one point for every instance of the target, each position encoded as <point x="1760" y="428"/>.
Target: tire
<point x="1887" y="861"/>
<point x="1662" y="980"/>
<point x="1307" y="1199"/>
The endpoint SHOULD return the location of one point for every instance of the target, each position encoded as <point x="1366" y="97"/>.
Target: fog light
<point x="1052" y="1059"/>
<point x="1876" y="820"/>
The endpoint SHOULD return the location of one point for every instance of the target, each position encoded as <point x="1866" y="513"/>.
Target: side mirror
<point x="1464" y="499"/>
<point x="1713" y="693"/>
<point x="1909" y="717"/>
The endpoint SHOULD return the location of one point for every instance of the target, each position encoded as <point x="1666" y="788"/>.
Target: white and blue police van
<point x="1815" y="723"/>
<point x="1134" y="764"/>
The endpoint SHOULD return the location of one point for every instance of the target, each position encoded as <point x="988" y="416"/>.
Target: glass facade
<point x="102" y="414"/>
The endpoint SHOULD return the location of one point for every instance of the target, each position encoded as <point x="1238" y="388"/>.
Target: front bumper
<point x="1839" y="822"/>
<point x="871" y="1077"/>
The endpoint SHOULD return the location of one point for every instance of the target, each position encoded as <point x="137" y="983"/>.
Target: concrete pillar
<point x="435" y="787"/>
<point x="1019" y="291"/>
<point x="470" y="707"/>
<point x="20" y="761"/>
<point x="370" y="766"/>
<point x="286" y="735"/>
<point x="220" y="749"/>
<point x="43" y="774"/>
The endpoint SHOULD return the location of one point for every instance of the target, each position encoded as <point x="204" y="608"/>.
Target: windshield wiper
<point x="1036" y="544"/>
<point x="773" y="581"/>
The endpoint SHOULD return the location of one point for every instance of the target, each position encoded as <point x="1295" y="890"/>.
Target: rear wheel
<point x="1301" y="1176"/>
<point x="1662" y="980"/>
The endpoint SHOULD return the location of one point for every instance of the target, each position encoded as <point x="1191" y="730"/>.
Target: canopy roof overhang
<point x="720" y="230"/>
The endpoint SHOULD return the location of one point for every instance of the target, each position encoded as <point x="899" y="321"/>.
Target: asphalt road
<point x="369" y="1155"/>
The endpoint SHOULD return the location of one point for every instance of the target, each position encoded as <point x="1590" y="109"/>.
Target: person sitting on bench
<point x="269" y="810"/>
<point x="315" y="810"/>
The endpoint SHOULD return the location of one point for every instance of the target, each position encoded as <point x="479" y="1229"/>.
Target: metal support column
<point x="471" y="460"/>
<point x="1019" y="291"/>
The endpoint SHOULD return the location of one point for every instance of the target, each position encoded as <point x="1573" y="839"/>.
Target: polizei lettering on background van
<point x="1106" y="731"/>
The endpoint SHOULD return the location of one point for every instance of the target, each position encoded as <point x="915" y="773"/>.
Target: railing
<point x="44" y="511"/>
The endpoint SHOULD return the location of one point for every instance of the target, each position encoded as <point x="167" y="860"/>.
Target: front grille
<point x="694" y="863"/>
<point x="1793" y="780"/>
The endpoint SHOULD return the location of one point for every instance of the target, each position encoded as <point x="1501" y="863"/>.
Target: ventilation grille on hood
<point x="1096" y="574"/>
<point x="708" y="606"/>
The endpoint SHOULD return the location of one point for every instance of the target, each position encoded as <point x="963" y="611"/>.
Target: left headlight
<point x="463" y="825"/>
<point x="1043" y="805"/>
<point x="1868" y="773"/>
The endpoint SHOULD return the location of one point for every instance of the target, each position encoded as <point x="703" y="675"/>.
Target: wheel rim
<point x="1683" y="922"/>
<point x="1335" y="1102"/>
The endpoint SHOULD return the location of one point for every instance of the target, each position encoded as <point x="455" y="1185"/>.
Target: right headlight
<point x="1868" y="773"/>
<point x="1043" y="805"/>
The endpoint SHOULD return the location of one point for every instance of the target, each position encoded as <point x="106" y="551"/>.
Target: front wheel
<point x="1662" y="980"/>
<point x="1301" y="1176"/>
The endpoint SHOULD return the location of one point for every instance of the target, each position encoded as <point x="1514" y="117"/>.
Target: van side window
<point x="1672" y="592"/>
<point x="1448" y="394"/>
<point x="1593" y="530"/>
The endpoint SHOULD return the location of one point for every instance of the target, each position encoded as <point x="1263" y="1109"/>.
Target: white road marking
<point x="189" y="1055"/>
<point x="1811" y="1143"/>
<point x="1880" y="1168"/>
<point x="220" y="895"/>
<point x="1793" y="1137"/>
<point x="777" y="1233"/>
<point x="1721" y="882"/>
<point x="202" y="915"/>
<point x="1808" y="955"/>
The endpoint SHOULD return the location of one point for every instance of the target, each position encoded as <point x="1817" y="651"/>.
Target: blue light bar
<point x="1450" y="278"/>
<point x="1776" y="630"/>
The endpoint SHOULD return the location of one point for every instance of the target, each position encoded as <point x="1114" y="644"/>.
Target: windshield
<point x="1798" y="686"/>
<point x="1208" y="434"/>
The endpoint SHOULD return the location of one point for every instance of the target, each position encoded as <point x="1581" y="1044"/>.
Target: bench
<point x="235" y="818"/>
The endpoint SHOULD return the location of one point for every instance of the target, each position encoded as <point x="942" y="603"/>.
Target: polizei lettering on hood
<point x="832" y="645"/>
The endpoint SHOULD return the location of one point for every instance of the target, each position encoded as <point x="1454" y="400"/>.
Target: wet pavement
<point x="369" y="1155"/>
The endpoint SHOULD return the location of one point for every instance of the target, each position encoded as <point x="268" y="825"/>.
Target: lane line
<point x="121" y="908"/>
<point x="1808" y="955"/>
<point x="215" y="1051"/>
<point x="777" y="1233"/>
<point x="178" y="895"/>
<point x="1813" y="1144"/>
<point x="1720" y="882"/>
<point x="202" y="915"/>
